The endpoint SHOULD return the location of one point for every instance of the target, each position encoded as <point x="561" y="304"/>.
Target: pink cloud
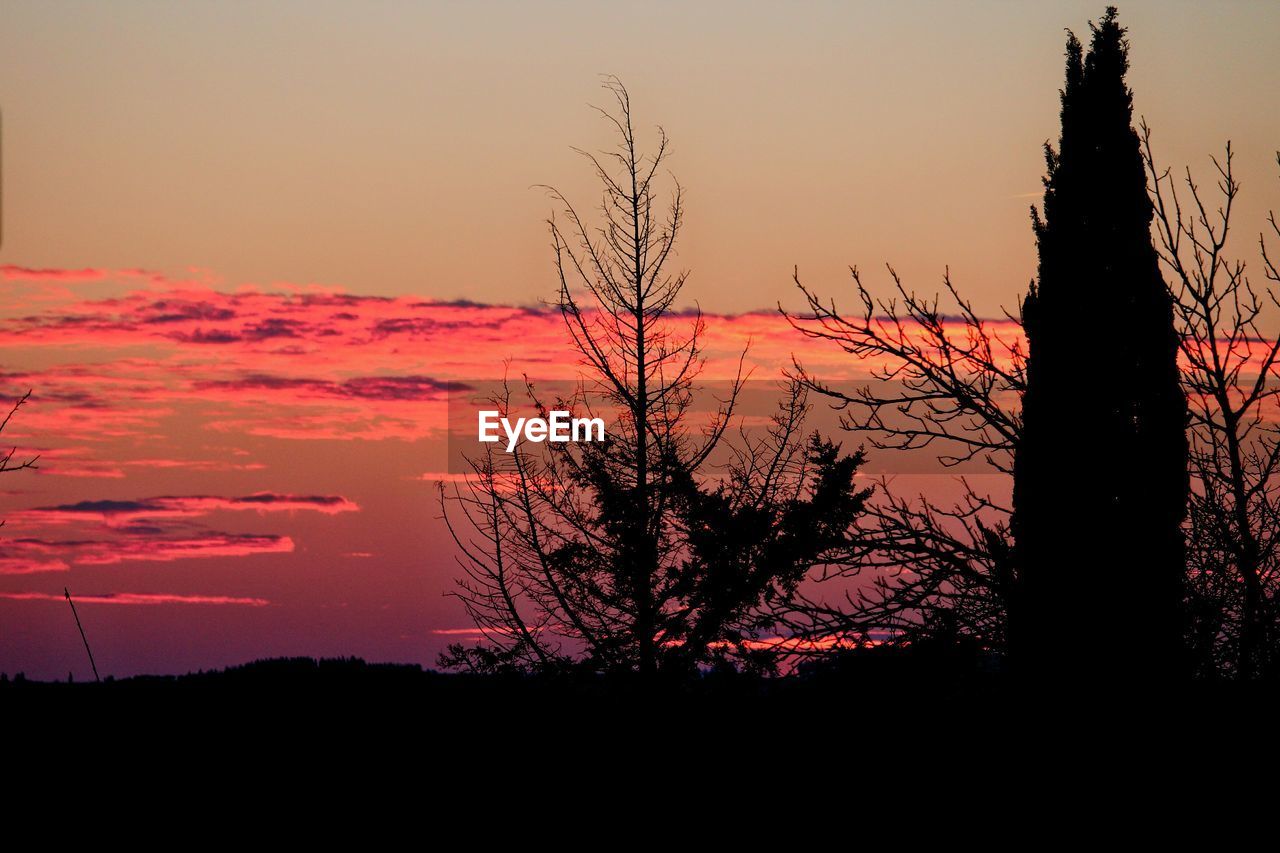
<point x="315" y="365"/>
<point x="85" y="471"/>
<point x="79" y="462"/>
<point x="161" y="550"/>
<point x="30" y="555"/>
<point x="138" y="598"/>
<point x="12" y="272"/>
<point x="30" y="565"/>
<point x="122" y="512"/>
<point x="194" y="464"/>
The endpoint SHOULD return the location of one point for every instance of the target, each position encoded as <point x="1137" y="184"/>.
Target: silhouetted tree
<point x="1100" y="477"/>
<point x="946" y="380"/>
<point x="1231" y="376"/>
<point x="1100" y="466"/>
<point x="7" y="462"/>
<point x="634" y="554"/>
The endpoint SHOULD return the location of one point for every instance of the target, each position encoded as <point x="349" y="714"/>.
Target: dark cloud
<point x="101" y="507"/>
<point x="214" y="336"/>
<point x="274" y="327"/>
<point x="183" y="506"/>
<point x="272" y="498"/>
<point x="171" y="311"/>
<point x="396" y="388"/>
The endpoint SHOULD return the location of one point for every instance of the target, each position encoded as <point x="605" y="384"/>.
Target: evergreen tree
<point x="1101" y="485"/>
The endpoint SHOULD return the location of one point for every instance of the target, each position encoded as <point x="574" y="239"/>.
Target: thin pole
<point x="67" y="593"/>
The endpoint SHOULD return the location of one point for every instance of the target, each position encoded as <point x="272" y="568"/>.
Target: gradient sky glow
<point x="246" y="244"/>
<point x="391" y="147"/>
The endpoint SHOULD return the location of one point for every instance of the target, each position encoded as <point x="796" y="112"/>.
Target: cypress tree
<point x="1100" y="477"/>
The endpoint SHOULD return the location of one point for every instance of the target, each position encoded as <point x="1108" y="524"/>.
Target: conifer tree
<point x="1100" y="485"/>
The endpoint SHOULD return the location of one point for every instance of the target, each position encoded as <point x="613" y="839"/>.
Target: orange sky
<point x="391" y="148"/>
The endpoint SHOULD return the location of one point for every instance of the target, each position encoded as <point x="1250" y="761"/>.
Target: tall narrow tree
<point x="1100" y="483"/>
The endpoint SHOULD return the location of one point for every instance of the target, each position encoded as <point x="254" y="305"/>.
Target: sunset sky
<point x="246" y="245"/>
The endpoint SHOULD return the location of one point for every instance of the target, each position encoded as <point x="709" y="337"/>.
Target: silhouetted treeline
<point x="1140" y="543"/>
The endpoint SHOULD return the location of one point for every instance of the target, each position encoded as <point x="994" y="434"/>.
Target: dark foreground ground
<point x="870" y="691"/>
<point x="396" y="733"/>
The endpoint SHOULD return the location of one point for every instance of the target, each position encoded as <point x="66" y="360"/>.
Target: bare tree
<point x="1230" y="374"/>
<point x="7" y="463"/>
<point x="950" y="382"/>
<point x="636" y="554"/>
